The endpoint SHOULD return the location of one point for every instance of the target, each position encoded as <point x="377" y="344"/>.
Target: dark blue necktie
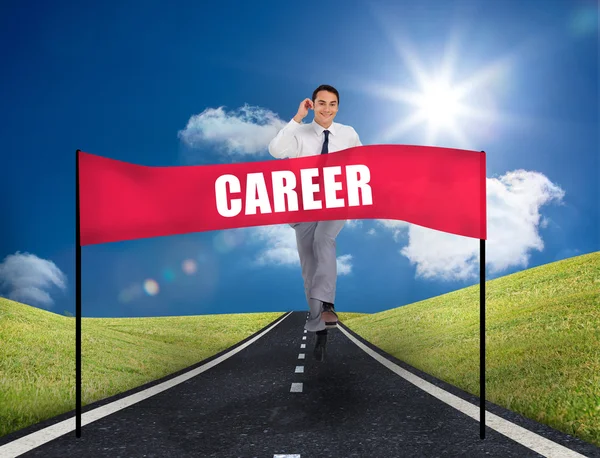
<point x="325" y="148"/>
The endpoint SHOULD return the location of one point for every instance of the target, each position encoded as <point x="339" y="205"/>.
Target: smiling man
<point x="316" y="240"/>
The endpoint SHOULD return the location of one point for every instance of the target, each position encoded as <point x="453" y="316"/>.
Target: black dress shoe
<point x="329" y="315"/>
<point x="320" y="346"/>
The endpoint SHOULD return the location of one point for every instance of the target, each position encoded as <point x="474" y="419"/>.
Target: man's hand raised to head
<point x="305" y="105"/>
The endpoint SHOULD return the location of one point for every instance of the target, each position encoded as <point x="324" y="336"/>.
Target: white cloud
<point x="280" y="245"/>
<point x="344" y="264"/>
<point x="513" y="205"/>
<point x="32" y="296"/>
<point x="245" y="131"/>
<point x="353" y="223"/>
<point x="25" y="278"/>
<point x="281" y="249"/>
<point x="396" y="227"/>
<point x="371" y="232"/>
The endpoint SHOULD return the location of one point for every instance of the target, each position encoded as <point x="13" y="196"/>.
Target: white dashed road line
<point x="299" y="370"/>
<point x="296" y="388"/>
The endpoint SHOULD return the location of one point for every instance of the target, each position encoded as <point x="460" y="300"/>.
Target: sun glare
<point x="439" y="105"/>
<point x="450" y="112"/>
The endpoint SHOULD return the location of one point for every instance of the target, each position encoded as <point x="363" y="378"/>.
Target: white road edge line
<point x="515" y="432"/>
<point x="35" y="439"/>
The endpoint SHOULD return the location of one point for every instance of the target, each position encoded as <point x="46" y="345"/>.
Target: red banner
<point x="438" y="188"/>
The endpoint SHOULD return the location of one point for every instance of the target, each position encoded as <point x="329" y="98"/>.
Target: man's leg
<point x="305" y="233"/>
<point x="324" y="280"/>
<point x="323" y="285"/>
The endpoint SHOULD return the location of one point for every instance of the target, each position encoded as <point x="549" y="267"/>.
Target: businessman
<point x="316" y="240"/>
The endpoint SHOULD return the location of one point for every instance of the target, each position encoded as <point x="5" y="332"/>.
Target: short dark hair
<point x="328" y="88"/>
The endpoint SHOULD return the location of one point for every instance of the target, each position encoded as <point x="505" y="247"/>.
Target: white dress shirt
<point x="299" y="139"/>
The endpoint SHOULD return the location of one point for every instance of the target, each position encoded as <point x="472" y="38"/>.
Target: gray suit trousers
<point x="317" y="251"/>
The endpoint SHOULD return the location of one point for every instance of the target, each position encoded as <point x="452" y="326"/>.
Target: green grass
<point x="542" y="342"/>
<point x="543" y="336"/>
<point x="37" y="356"/>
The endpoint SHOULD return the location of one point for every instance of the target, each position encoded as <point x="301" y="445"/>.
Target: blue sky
<point x="186" y="83"/>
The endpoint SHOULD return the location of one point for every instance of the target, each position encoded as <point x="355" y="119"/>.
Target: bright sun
<point x="456" y="111"/>
<point x="439" y="104"/>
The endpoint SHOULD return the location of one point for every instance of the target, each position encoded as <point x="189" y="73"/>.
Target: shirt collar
<point x="319" y="129"/>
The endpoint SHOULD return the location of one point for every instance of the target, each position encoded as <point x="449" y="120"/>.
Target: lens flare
<point x="225" y="241"/>
<point x="169" y="275"/>
<point x="151" y="287"/>
<point x="189" y="266"/>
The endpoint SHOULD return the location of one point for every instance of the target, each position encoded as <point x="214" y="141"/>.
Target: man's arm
<point x="285" y="144"/>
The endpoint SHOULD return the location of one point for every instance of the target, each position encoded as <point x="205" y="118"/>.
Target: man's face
<point x="325" y="107"/>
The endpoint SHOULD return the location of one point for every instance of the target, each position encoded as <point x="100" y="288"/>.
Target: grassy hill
<point x="37" y="355"/>
<point x="543" y="336"/>
<point x="542" y="342"/>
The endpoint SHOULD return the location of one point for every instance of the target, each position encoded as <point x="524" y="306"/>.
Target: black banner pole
<point x="77" y="300"/>
<point x="482" y="338"/>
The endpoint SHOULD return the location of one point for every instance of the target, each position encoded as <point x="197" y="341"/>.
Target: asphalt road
<point x="251" y="405"/>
